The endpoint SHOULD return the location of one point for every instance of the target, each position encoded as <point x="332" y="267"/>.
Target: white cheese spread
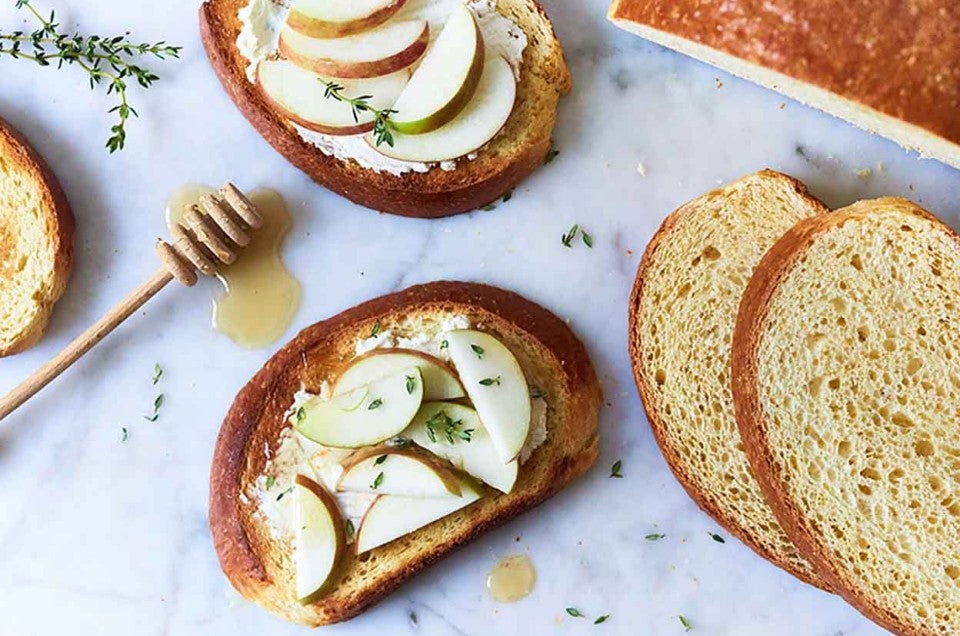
<point x="262" y="20"/>
<point x="295" y="454"/>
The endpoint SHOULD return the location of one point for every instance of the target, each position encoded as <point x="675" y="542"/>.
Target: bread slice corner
<point x="36" y="242"/>
<point x="846" y="375"/>
<point x="517" y="151"/>
<point x="682" y="314"/>
<point x="260" y="565"/>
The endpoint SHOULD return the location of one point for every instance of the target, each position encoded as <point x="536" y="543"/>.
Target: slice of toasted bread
<point x="36" y="242"/>
<point x="846" y="379"/>
<point x="682" y="312"/>
<point x="512" y="155"/>
<point x="260" y="566"/>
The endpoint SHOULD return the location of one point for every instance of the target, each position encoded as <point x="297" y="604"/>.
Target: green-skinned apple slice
<point x="340" y="18"/>
<point x="319" y="539"/>
<point x="392" y="516"/>
<point x="301" y="96"/>
<point x="497" y="387"/>
<point x="388" y="470"/>
<point x="446" y="79"/>
<point x="387" y="407"/>
<point x="477" y="123"/>
<point x="439" y="380"/>
<point x="386" y="49"/>
<point x="455" y="433"/>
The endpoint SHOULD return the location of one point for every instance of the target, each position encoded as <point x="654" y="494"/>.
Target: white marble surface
<point x="99" y="536"/>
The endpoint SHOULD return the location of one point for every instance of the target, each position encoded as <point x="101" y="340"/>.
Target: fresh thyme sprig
<point x="107" y="60"/>
<point x="382" y="132"/>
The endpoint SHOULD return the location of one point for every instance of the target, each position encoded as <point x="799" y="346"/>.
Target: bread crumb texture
<point x="689" y="290"/>
<point x="859" y="391"/>
<point x="29" y="243"/>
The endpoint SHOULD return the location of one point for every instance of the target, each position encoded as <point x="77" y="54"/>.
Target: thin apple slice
<point x="497" y="387"/>
<point x="392" y="516"/>
<point x="439" y="380"/>
<point x="384" y="50"/>
<point x="476" y="124"/>
<point x="301" y="96"/>
<point x="387" y="407"/>
<point x="445" y="81"/>
<point x="319" y="539"/>
<point x="442" y="428"/>
<point x="388" y="470"/>
<point x="340" y="18"/>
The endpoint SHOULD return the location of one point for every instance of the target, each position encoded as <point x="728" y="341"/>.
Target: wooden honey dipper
<point x="212" y="233"/>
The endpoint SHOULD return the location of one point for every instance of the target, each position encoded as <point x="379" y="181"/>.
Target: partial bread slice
<point x="36" y="242"/>
<point x="846" y="371"/>
<point x="511" y="156"/>
<point x="682" y="313"/>
<point x="552" y="358"/>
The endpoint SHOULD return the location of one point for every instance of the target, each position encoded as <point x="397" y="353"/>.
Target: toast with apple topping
<point x="389" y="107"/>
<point x="378" y="441"/>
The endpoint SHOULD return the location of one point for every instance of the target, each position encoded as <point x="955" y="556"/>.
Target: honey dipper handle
<point x="83" y="343"/>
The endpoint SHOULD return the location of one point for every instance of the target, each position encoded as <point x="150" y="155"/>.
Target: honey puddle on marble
<point x="511" y="579"/>
<point x="260" y="297"/>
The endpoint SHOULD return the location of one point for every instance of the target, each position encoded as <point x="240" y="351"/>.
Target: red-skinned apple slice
<point x="301" y="96"/>
<point x="387" y="470"/>
<point x="446" y="79"/>
<point x="340" y="18"/>
<point x="319" y="537"/>
<point x="382" y="51"/>
<point x="477" y="124"/>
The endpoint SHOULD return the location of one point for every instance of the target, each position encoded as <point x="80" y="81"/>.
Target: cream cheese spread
<point x="262" y="20"/>
<point x="295" y="454"/>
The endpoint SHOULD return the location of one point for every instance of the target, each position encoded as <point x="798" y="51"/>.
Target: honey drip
<point x="511" y="579"/>
<point x="260" y="296"/>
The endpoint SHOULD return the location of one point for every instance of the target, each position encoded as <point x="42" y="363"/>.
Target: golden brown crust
<point x="670" y="453"/>
<point x="437" y="193"/>
<point x="549" y="352"/>
<point x="898" y="57"/>
<point x="774" y="267"/>
<point x="20" y="155"/>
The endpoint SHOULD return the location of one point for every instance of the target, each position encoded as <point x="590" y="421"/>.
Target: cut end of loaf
<point x="847" y="373"/>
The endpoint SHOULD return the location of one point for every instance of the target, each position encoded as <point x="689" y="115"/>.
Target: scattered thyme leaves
<point x="655" y="537"/>
<point x="615" y="469"/>
<point x="382" y="127"/>
<point x="271" y="481"/>
<point x="111" y="61"/>
<point x="375" y="404"/>
<point x="376" y="482"/>
<point x="490" y="381"/>
<point x="157" y="372"/>
<point x="477" y="350"/>
<point x="451" y="429"/>
<point x="716" y="537"/>
<point x="157" y="403"/>
<point x="601" y="619"/>
<point x="573" y="611"/>
<point x="686" y="623"/>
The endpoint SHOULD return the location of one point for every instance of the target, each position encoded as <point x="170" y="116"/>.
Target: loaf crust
<point x="552" y="358"/>
<point x="17" y="156"/>
<point x="889" y="66"/>
<point x="772" y="270"/>
<point x="515" y="153"/>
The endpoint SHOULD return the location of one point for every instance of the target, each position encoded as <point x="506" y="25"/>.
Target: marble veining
<point x="103" y="536"/>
